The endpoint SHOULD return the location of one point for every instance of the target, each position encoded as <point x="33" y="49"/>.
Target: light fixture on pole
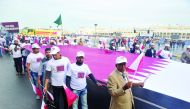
<point x="95" y="25"/>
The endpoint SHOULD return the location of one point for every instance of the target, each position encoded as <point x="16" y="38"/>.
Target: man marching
<point x="25" y="52"/>
<point x="15" y="49"/>
<point x="43" y="64"/>
<point x="56" y="70"/>
<point x="33" y="64"/>
<point x="76" y="80"/>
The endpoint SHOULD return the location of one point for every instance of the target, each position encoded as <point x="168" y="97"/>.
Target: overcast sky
<point x="106" y="13"/>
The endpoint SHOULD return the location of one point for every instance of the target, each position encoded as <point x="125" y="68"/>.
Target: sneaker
<point x="37" y="97"/>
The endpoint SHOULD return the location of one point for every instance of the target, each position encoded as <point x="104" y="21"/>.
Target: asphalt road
<point x="15" y="91"/>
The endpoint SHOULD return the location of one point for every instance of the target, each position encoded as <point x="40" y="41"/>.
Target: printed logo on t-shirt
<point x="60" y="68"/>
<point x="80" y="75"/>
<point x="39" y="59"/>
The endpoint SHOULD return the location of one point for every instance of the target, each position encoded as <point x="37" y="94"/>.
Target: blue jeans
<point x="34" y="76"/>
<point x="42" y="78"/>
<point x="1" y="52"/>
<point x="82" y="94"/>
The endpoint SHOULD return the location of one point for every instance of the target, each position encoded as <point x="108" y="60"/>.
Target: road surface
<point x="15" y="91"/>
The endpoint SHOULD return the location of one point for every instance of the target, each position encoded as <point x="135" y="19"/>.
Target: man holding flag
<point x="119" y="86"/>
<point x="76" y="80"/>
<point x="56" y="70"/>
<point x="33" y="64"/>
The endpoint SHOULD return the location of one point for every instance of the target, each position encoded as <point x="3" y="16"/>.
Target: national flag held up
<point x="58" y="21"/>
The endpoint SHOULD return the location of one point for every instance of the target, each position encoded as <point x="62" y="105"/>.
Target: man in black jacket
<point x="151" y="52"/>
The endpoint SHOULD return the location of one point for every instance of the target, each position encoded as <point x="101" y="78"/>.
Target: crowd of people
<point x="152" y="46"/>
<point x="53" y="69"/>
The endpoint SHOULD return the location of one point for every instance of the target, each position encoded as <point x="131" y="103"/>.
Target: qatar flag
<point x="36" y="90"/>
<point x="135" y="65"/>
<point x="71" y="97"/>
<point x="44" y="105"/>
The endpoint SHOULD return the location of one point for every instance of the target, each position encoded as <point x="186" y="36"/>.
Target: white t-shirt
<point x="17" y="53"/>
<point x="100" y="46"/>
<point x="59" y="69"/>
<point x="130" y="44"/>
<point x="73" y="43"/>
<point x="60" y="43"/>
<point x="166" y="54"/>
<point x="31" y="40"/>
<point x="121" y="49"/>
<point x="78" y="76"/>
<point x="2" y="40"/>
<point x="44" y="44"/>
<point x="34" y="60"/>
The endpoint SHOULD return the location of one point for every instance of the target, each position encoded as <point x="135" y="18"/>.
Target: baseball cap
<point x="137" y="45"/>
<point x="80" y="54"/>
<point x="167" y="45"/>
<point x="54" y="50"/>
<point x="121" y="59"/>
<point x="35" y="45"/>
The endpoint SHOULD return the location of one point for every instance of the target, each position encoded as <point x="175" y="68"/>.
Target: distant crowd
<point x="151" y="46"/>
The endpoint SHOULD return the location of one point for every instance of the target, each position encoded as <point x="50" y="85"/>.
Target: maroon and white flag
<point x="71" y="97"/>
<point x="36" y="90"/>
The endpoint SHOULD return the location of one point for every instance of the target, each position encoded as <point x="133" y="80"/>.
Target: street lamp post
<point x="95" y="25"/>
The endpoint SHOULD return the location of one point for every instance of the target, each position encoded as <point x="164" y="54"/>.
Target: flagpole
<point x="134" y="75"/>
<point x="62" y="28"/>
<point x="147" y="78"/>
<point x="58" y="21"/>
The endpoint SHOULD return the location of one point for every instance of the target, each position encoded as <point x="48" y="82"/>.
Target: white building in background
<point x="173" y="32"/>
<point x="168" y="32"/>
<point x="107" y="32"/>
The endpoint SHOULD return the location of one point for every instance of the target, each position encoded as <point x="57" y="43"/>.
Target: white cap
<point x="54" y="50"/>
<point x="188" y="46"/>
<point x="15" y="39"/>
<point x="80" y="54"/>
<point x="121" y="59"/>
<point x="152" y="44"/>
<point x="26" y="38"/>
<point x="35" y="45"/>
<point x="167" y="45"/>
<point x="137" y="45"/>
